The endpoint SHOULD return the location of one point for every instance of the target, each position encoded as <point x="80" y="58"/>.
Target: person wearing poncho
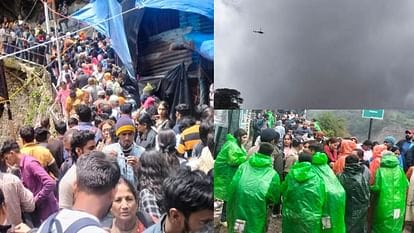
<point x="334" y="210"/>
<point x="303" y="198"/>
<point x="389" y="191"/>
<point x="270" y="119"/>
<point x="231" y="155"/>
<point x="254" y="186"/>
<point x="355" y="180"/>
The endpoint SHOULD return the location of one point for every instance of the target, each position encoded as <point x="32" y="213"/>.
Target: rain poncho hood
<point x="389" y="160"/>
<point x="376" y="160"/>
<point x="302" y="172"/>
<point x="389" y="192"/>
<point x="303" y="195"/>
<point x="390" y="139"/>
<point x="254" y="186"/>
<point x="377" y="151"/>
<point x="334" y="208"/>
<point x="355" y="180"/>
<point x="228" y="160"/>
<point x="347" y="146"/>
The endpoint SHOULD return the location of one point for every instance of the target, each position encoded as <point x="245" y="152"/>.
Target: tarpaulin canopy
<point x="203" y="7"/>
<point x="106" y="17"/>
<point x="174" y="88"/>
<point x="203" y="43"/>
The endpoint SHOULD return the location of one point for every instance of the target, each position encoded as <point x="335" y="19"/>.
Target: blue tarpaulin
<point x="96" y="14"/>
<point x="203" y="7"/>
<point x="203" y="43"/>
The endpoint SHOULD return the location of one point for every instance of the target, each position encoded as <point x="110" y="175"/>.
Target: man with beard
<point x="94" y="188"/>
<point x="82" y="142"/>
<point x="125" y="150"/>
<point x="188" y="201"/>
<point x="405" y="145"/>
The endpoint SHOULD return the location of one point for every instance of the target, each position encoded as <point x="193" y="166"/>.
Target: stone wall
<point x="30" y="93"/>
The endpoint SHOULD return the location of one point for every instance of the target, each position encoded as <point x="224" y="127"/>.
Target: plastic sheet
<point x="355" y="180"/>
<point x="255" y="185"/>
<point x="389" y="189"/>
<point x="303" y="197"/>
<point x="334" y="208"/>
<point x="203" y="7"/>
<point x="228" y="160"/>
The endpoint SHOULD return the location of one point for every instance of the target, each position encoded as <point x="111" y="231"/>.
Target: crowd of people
<point x="312" y="182"/>
<point x="115" y="161"/>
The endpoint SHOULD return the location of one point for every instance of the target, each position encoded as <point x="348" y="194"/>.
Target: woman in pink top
<point x="62" y="94"/>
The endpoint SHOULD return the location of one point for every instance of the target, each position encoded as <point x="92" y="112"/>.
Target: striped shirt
<point x="188" y="139"/>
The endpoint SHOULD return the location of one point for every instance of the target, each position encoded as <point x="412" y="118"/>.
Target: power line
<point x="54" y="39"/>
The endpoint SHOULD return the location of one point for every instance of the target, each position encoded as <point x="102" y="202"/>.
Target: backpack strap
<point x="48" y="223"/>
<point x="145" y="219"/>
<point x="81" y="223"/>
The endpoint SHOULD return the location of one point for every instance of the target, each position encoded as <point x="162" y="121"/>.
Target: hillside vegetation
<point x="394" y="123"/>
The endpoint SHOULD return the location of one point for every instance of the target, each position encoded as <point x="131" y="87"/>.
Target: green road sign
<point x="373" y="113"/>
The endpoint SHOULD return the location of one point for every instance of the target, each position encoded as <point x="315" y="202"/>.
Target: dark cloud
<point x="317" y="53"/>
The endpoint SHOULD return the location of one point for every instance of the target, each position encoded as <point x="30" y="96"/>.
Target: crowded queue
<point x="159" y="183"/>
<point x="148" y="141"/>
<point x="313" y="183"/>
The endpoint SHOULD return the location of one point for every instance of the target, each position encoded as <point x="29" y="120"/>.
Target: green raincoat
<point x="389" y="191"/>
<point x="228" y="160"/>
<point x="334" y="210"/>
<point x="303" y="198"/>
<point x="270" y="119"/>
<point x="355" y="180"/>
<point x="254" y="186"/>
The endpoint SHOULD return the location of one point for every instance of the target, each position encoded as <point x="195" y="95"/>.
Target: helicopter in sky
<point x="259" y="31"/>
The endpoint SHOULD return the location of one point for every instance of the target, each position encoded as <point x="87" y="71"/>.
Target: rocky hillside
<point x="30" y="93"/>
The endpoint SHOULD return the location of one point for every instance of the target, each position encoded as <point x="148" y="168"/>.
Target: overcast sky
<point x="316" y="53"/>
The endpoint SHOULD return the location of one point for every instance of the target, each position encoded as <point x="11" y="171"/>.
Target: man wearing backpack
<point x="97" y="177"/>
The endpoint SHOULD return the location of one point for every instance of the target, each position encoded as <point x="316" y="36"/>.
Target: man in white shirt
<point x="366" y="146"/>
<point x="66" y="71"/>
<point x="95" y="187"/>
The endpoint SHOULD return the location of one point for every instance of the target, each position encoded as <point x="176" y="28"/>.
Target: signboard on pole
<point x="373" y="114"/>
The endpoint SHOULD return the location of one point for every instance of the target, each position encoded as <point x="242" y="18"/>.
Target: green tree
<point x="332" y="125"/>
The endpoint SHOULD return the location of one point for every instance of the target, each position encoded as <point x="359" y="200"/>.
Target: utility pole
<point x="370" y="128"/>
<point x="46" y="17"/>
<point x="59" y="58"/>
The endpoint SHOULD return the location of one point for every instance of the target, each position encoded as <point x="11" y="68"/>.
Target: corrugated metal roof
<point x="199" y="23"/>
<point x="155" y="57"/>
